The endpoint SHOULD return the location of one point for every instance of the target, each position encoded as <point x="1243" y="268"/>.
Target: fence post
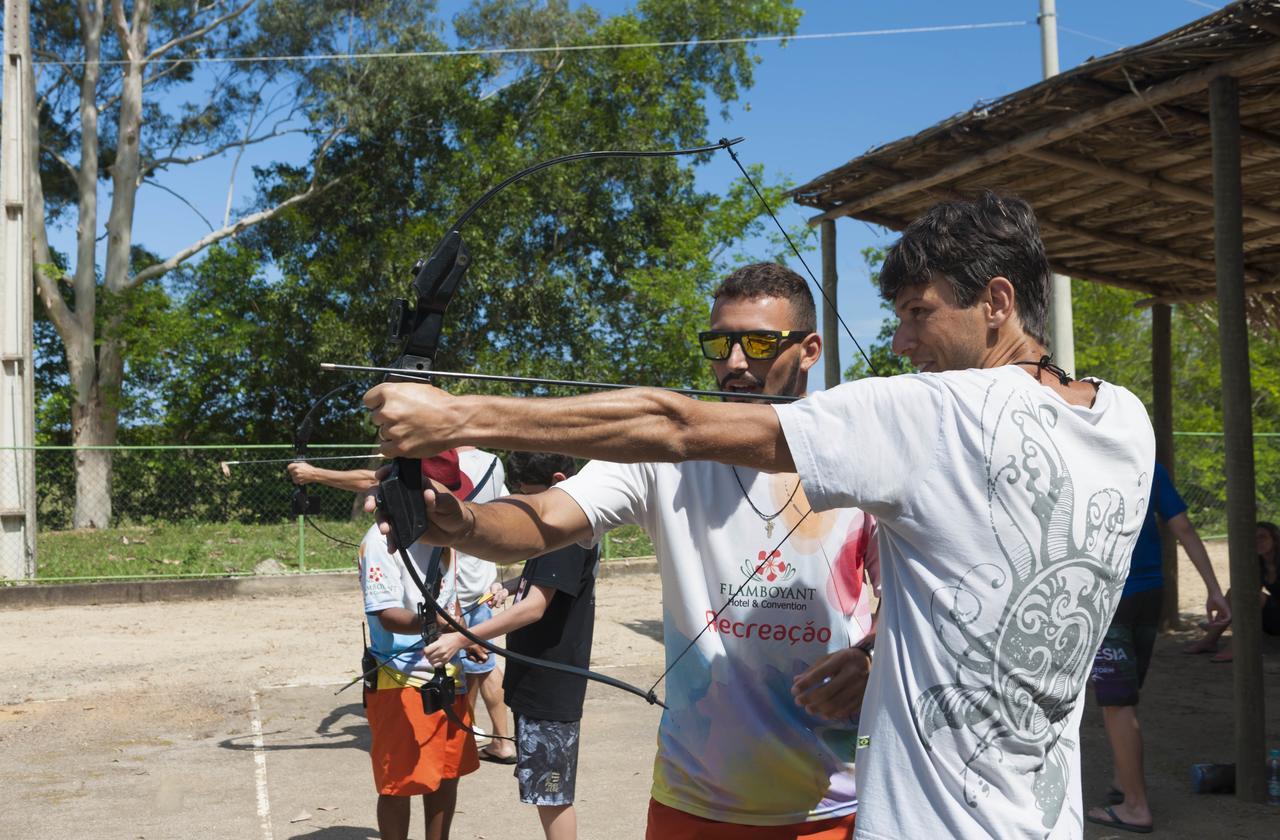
<point x="302" y="542"/>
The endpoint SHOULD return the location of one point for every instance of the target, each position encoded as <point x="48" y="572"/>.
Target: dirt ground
<point x="218" y="719"/>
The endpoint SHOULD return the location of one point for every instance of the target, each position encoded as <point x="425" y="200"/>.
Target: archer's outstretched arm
<point x="506" y="530"/>
<point x="632" y="426"/>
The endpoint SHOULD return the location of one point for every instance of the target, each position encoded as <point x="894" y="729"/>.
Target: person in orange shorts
<point x="415" y="750"/>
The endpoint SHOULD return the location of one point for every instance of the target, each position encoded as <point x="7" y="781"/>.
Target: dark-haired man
<point x="1008" y="498"/>
<point x="763" y="688"/>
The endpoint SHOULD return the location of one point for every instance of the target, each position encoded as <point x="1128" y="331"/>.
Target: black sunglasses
<point x="756" y="344"/>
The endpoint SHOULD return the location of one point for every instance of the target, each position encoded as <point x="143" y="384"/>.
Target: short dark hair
<point x="538" y="467"/>
<point x="1270" y="528"/>
<point x="968" y="243"/>
<point x="772" y="280"/>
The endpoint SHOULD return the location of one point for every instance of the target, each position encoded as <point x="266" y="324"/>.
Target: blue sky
<point x="815" y="105"/>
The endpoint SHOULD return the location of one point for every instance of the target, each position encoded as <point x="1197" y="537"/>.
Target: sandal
<point x="1112" y="821"/>
<point x="486" y="755"/>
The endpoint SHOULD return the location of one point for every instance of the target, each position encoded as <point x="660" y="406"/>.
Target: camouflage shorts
<point x="546" y="760"/>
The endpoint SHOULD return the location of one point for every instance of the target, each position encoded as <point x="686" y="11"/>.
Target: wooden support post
<point x="830" y="332"/>
<point x="1237" y="422"/>
<point x="1162" y="419"/>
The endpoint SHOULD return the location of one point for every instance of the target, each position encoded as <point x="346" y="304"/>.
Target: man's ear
<point x="1001" y="302"/>
<point x="810" y="350"/>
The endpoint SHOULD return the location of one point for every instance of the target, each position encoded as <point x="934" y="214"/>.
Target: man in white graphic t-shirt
<point x="765" y="602"/>
<point x="1008" y="498"/>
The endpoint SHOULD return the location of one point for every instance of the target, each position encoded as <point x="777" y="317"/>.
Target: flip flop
<point x="1197" y="648"/>
<point x="485" y="755"/>
<point x="1223" y="656"/>
<point x="1117" y="823"/>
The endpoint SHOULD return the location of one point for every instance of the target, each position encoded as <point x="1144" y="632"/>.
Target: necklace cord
<point x="766" y="517"/>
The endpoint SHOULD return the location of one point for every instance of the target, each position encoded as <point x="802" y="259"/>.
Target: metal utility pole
<point x="1062" y="342"/>
<point x="17" y="408"/>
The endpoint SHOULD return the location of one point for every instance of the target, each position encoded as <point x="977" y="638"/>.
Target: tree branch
<point x="160" y="269"/>
<point x="70" y="167"/>
<point x="197" y="33"/>
<point x="150" y="167"/>
<point x="181" y="198"/>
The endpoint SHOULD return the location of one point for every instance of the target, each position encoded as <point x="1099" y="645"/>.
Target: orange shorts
<point x="667" y="823"/>
<point x="413" y="752"/>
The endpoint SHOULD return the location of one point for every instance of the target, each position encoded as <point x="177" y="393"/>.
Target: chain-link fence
<point x="1199" y="476"/>
<point x="192" y="511"/>
<point x="222" y="510"/>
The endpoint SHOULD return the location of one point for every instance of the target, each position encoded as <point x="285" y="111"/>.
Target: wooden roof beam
<point x="1138" y="245"/>
<point x="1259" y="288"/>
<point x="1183" y="85"/>
<point x="1146" y="182"/>
<point x="1265" y="138"/>
<point x="1066" y="267"/>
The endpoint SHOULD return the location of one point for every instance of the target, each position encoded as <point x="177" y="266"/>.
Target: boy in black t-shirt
<point x="552" y="618"/>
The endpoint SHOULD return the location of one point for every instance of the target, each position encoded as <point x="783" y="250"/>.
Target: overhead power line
<point x="693" y="42"/>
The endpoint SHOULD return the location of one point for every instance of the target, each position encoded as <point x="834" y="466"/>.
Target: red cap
<point x="444" y="469"/>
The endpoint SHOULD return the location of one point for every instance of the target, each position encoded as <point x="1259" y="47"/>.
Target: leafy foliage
<point x="880" y="351"/>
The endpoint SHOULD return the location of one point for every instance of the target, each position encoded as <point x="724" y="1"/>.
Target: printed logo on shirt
<point x="767" y="585"/>
<point x="770" y="568"/>
<point x="377" y="580"/>
<point x="864" y="741"/>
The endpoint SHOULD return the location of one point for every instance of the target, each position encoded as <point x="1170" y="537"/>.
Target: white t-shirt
<point x="475" y="575"/>
<point x="386" y="583"/>
<point x="733" y="745"/>
<point x="1006" y="521"/>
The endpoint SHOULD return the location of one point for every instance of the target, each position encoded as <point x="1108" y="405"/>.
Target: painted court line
<point x="260" y="767"/>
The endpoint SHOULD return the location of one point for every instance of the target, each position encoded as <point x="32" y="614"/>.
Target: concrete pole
<point x="1162" y="420"/>
<point x="17" y="408"/>
<point x="830" y="333"/>
<point x="1237" y="424"/>
<point x="1062" y="342"/>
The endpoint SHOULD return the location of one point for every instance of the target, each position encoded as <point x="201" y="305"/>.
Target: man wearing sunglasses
<point x="767" y="606"/>
<point x="1008" y="498"/>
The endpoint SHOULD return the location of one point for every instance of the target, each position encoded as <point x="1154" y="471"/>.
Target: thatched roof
<point x="1114" y="155"/>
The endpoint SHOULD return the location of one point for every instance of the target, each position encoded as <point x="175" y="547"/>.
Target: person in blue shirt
<point x="1121" y="662"/>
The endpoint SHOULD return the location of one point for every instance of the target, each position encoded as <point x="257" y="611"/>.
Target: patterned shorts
<point x="546" y="760"/>
<point x="1120" y="666"/>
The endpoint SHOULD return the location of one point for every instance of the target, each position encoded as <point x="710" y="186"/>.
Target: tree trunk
<point x="94" y="422"/>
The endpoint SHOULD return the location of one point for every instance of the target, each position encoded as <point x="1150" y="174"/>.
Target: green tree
<point x="880" y="351"/>
<point x="104" y="68"/>
<point x="595" y="269"/>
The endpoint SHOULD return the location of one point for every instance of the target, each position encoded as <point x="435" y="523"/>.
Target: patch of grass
<point x="169" y="549"/>
<point x="629" y="541"/>
<point x="165" y="549"/>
